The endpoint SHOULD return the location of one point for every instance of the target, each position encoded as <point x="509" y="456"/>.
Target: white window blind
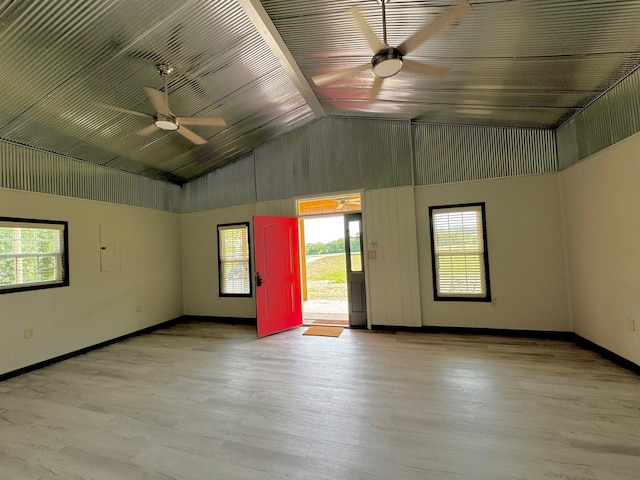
<point x="32" y="254"/>
<point x="459" y="252"/>
<point x="233" y="256"/>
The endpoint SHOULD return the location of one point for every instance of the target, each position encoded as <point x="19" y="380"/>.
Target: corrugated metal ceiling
<point x="522" y="63"/>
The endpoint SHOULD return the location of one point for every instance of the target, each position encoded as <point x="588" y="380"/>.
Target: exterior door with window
<point x="355" y="270"/>
<point x="277" y="260"/>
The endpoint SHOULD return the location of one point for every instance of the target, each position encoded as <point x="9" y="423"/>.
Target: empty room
<point x="291" y="239"/>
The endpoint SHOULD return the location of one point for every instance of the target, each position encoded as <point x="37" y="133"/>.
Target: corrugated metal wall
<point x="449" y="153"/>
<point x="327" y="155"/>
<point x="334" y="154"/>
<point x="611" y="118"/>
<point x="25" y="168"/>
<point x="228" y="186"/>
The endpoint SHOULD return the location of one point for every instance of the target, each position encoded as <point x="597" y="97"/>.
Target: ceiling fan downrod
<point x="388" y="61"/>
<point x="384" y="22"/>
<point x="163" y="121"/>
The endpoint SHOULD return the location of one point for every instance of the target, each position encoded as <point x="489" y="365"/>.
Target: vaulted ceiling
<point x="74" y="71"/>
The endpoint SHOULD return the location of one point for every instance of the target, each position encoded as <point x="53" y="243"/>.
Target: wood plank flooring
<point x="209" y="401"/>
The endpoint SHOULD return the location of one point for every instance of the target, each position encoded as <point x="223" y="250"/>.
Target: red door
<point x="277" y="259"/>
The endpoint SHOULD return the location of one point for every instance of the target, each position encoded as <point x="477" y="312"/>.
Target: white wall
<point x="96" y="306"/>
<point x="200" y="264"/>
<point x="526" y="256"/>
<point x="601" y="198"/>
<point x="393" y="286"/>
<point x="281" y="208"/>
<point x="168" y="262"/>
<point x="200" y="258"/>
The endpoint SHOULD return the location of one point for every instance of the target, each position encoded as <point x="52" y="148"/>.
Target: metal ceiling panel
<point x="70" y="57"/>
<point x="517" y="63"/>
<point x="550" y="56"/>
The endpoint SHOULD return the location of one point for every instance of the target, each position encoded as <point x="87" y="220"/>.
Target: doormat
<point x="331" y="322"/>
<point x="324" y="331"/>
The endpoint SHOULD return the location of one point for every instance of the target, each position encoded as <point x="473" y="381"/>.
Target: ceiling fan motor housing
<point x="386" y="63"/>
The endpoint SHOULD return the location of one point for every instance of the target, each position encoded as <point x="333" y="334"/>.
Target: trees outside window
<point x="459" y="253"/>
<point x="33" y="254"/>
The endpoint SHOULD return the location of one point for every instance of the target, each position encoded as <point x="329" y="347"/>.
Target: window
<point x="355" y="253"/>
<point x="233" y="260"/>
<point x="337" y="204"/>
<point x="33" y="254"/>
<point x="459" y="253"/>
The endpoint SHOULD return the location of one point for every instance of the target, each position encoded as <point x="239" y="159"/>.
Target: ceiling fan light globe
<point x="166" y="124"/>
<point x="386" y="63"/>
<point x="387" y="68"/>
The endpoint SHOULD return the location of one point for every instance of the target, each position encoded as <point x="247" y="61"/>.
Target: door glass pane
<point x="355" y="259"/>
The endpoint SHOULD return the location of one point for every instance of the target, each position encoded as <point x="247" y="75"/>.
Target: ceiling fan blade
<point x="191" y="136"/>
<point x="424" y="69"/>
<point x="148" y="130"/>
<point x="158" y="101"/>
<point x="445" y="19"/>
<point x="374" y="42"/>
<point x="123" y="110"/>
<point x="375" y="89"/>
<point x="330" y="77"/>
<point x="211" y="122"/>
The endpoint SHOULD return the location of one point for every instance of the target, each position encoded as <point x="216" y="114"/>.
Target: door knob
<point x="258" y="279"/>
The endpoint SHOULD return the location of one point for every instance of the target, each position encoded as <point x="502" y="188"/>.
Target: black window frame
<point x="485" y="255"/>
<point x="64" y="257"/>
<point x="249" y="266"/>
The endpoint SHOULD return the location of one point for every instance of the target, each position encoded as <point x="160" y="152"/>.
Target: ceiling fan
<point x="164" y="119"/>
<point x="388" y="61"/>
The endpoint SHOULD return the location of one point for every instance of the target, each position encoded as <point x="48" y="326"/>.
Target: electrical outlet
<point x="28" y="334"/>
<point x="631" y="324"/>
<point x="138" y="308"/>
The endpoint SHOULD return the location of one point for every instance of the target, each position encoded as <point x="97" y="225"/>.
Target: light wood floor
<point x="209" y="401"/>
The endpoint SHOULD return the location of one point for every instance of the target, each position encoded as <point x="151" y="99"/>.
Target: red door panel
<point x="278" y="295"/>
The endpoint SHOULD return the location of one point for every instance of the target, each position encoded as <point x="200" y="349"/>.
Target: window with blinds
<point x="33" y="254"/>
<point x="459" y="253"/>
<point x="234" y="265"/>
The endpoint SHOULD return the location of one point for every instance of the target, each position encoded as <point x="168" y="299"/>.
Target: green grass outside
<point x="327" y="277"/>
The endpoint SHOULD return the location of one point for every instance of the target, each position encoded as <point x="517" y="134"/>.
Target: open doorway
<point x="332" y="267"/>
<point x="324" y="271"/>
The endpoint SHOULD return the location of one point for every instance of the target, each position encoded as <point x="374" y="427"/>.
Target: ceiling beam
<point x="261" y="20"/>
